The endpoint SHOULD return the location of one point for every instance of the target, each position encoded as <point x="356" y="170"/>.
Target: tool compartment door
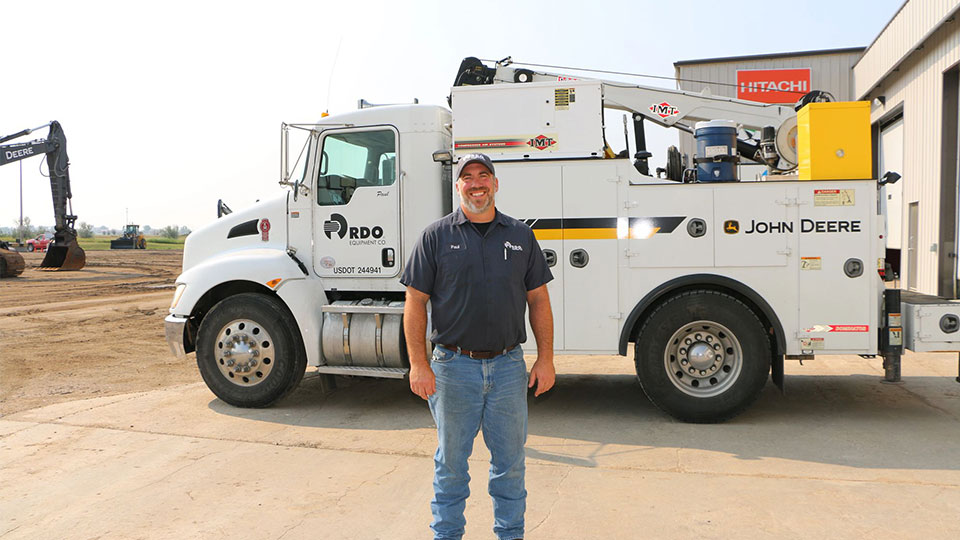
<point x="357" y="204"/>
<point x="533" y="194"/>
<point x="837" y="312"/>
<point x="752" y="223"/>
<point x="590" y="257"/>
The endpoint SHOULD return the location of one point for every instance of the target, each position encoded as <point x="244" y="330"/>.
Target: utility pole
<point x="20" y="230"/>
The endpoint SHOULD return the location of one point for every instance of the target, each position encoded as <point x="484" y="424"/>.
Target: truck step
<point x="361" y="371"/>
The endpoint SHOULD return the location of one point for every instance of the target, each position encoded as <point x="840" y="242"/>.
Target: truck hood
<point x="263" y="225"/>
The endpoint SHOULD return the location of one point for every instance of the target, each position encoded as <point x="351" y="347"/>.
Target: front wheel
<point x="249" y="351"/>
<point x="702" y="356"/>
<point x="31" y="248"/>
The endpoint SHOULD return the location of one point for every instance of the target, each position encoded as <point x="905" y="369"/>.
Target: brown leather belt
<point x="478" y="355"/>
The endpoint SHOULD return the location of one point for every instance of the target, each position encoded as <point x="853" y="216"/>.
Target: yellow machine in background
<point x="131" y="239"/>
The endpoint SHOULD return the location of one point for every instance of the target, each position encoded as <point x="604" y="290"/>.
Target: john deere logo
<point x="731" y="226"/>
<point x="337" y="224"/>
<point x="541" y="142"/>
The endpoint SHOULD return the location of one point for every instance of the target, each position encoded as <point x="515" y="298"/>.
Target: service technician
<point x="479" y="269"/>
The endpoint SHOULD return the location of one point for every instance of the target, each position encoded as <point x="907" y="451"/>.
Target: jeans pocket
<point x="516" y="354"/>
<point x="442" y="354"/>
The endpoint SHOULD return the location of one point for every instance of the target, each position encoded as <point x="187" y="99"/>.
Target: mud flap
<point x="64" y="257"/>
<point x="776" y="371"/>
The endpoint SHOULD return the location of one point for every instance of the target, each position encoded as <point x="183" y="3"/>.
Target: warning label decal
<point x="837" y="328"/>
<point x="834" y="197"/>
<point x="810" y="263"/>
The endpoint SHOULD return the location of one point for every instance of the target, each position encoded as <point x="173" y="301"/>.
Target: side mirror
<point x="284" y="153"/>
<point x="889" y="177"/>
<point x="222" y="209"/>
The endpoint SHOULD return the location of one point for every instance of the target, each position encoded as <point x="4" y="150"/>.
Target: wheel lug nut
<point x="709" y="339"/>
<point x="703" y="372"/>
<point x="683" y="361"/>
<point x="231" y="362"/>
<point x="698" y="336"/>
<point x="691" y="370"/>
<point x="688" y="341"/>
<point x="255" y="353"/>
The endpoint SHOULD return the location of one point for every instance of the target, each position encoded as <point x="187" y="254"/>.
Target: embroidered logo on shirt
<point x="454" y="246"/>
<point x="508" y="245"/>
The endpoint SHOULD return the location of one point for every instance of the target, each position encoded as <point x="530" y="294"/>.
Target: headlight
<point x="177" y="295"/>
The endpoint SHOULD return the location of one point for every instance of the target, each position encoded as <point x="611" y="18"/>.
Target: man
<point x="479" y="269"/>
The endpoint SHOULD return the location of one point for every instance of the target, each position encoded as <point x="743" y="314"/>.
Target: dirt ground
<point x="93" y="332"/>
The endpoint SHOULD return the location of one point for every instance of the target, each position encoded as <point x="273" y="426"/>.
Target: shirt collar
<point x="459" y="218"/>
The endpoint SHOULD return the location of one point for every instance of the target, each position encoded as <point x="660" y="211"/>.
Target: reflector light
<point x="274" y="282"/>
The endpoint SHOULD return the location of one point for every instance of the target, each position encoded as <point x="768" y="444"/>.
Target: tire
<point x="142" y="243"/>
<point x="31" y="248"/>
<point x="702" y="356"/>
<point x="249" y="350"/>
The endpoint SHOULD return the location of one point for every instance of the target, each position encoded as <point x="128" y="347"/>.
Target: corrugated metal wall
<point x="916" y="88"/>
<point x="902" y="35"/>
<point x="830" y="71"/>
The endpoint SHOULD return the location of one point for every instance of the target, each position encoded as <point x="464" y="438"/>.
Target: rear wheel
<point x="702" y="356"/>
<point x="31" y="247"/>
<point x="249" y="351"/>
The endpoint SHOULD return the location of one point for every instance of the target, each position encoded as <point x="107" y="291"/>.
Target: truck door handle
<point x="579" y="258"/>
<point x="551" y="257"/>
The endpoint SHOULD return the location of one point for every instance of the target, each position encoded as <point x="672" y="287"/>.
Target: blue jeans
<point x="474" y="395"/>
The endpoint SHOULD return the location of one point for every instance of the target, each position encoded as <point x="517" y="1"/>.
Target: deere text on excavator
<point x="63" y="253"/>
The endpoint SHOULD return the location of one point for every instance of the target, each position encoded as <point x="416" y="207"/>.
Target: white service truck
<point x="712" y="284"/>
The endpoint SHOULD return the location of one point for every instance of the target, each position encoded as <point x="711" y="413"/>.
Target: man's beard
<point x="472" y="204"/>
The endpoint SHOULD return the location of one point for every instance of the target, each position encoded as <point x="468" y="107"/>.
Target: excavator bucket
<point x="64" y="257"/>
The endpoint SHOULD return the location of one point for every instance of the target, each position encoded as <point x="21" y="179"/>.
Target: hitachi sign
<point x="773" y="85"/>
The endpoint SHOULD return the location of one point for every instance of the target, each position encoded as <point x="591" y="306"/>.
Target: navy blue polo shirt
<point x="477" y="284"/>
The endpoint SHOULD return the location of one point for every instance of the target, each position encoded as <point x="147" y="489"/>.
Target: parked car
<point x="40" y="242"/>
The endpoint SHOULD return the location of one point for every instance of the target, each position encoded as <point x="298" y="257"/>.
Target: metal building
<point x="772" y="78"/>
<point x="911" y="75"/>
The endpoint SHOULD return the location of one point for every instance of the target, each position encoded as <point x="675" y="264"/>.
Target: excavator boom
<point x="64" y="253"/>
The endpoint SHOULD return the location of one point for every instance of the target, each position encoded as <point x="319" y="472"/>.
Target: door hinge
<point x="617" y="315"/>
<point x="785" y="251"/>
<point x="789" y="202"/>
<point x="630" y="204"/>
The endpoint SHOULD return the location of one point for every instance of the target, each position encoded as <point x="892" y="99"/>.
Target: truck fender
<point x="709" y="281"/>
<point x="251" y="271"/>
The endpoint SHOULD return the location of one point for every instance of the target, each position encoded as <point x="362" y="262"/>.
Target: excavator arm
<point x="63" y="253"/>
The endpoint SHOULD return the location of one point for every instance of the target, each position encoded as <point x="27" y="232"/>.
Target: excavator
<point x="64" y="253"/>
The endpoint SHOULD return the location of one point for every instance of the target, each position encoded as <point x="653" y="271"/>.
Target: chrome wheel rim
<point x="703" y="359"/>
<point x="244" y="352"/>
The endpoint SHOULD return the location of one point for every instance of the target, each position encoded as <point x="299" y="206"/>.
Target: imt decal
<point x="664" y="110"/>
<point x="541" y="142"/>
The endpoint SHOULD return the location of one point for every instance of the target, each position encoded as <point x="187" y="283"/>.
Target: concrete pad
<point x="839" y="455"/>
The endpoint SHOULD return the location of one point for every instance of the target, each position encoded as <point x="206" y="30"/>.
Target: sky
<point x="169" y="106"/>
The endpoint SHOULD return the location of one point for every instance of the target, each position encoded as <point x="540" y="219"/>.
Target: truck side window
<point x="354" y="160"/>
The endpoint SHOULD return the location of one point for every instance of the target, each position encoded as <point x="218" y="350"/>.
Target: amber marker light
<point x="177" y="295"/>
<point x="274" y="282"/>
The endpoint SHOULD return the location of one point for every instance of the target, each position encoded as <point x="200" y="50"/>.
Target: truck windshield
<point x="354" y="160"/>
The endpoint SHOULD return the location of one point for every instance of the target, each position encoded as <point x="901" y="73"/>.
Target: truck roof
<point x="406" y="118"/>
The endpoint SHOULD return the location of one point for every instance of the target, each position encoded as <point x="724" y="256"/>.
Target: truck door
<point x="357" y="203"/>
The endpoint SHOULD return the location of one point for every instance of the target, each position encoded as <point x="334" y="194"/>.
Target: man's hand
<point x="543" y="374"/>
<point x="422" y="380"/>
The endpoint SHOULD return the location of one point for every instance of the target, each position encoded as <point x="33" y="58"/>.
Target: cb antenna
<point x="336" y="55"/>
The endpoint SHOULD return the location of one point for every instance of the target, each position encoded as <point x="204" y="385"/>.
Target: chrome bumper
<point x="174" y="327"/>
